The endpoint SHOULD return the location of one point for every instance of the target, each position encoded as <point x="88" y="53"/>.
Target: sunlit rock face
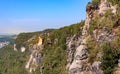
<point x="39" y="41"/>
<point x="15" y="49"/>
<point x="23" y="49"/>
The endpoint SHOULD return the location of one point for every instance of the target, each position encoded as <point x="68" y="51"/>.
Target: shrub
<point x="109" y="59"/>
<point x="96" y="1"/>
<point x="114" y="1"/>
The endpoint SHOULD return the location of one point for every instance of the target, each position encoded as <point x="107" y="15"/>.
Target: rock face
<point x="104" y="6"/>
<point x="15" y="49"/>
<point x="35" y="57"/>
<point x="40" y="41"/>
<point x="72" y="44"/>
<point x="105" y="36"/>
<point x="80" y="64"/>
<point x="78" y="61"/>
<point x="23" y="49"/>
<point x="34" y="60"/>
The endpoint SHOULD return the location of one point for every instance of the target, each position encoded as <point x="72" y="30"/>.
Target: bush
<point x="96" y="1"/>
<point x="12" y="62"/>
<point x="114" y="2"/>
<point x="109" y="59"/>
<point x="108" y="13"/>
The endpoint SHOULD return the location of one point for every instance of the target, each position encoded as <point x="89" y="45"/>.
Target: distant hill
<point x="9" y="38"/>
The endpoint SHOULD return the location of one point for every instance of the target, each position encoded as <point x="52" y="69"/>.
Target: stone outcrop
<point x="34" y="60"/>
<point x="35" y="57"/>
<point x="72" y="43"/>
<point x="79" y="64"/>
<point x="22" y="49"/>
<point x="104" y="6"/>
<point x="78" y="61"/>
<point x="39" y="41"/>
<point x="15" y="49"/>
<point x="105" y="35"/>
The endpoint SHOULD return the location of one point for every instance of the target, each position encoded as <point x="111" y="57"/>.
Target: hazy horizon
<point x="36" y="15"/>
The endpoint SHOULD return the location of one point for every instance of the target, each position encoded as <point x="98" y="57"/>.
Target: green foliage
<point x="12" y="62"/>
<point x="108" y="13"/>
<point x="110" y="58"/>
<point x="54" y="61"/>
<point x="96" y="1"/>
<point x="21" y="38"/>
<point x="114" y="2"/>
<point x="94" y="24"/>
<point x="93" y="49"/>
<point x="108" y="21"/>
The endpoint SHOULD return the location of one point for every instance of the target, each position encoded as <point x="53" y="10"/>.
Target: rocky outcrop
<point x="105" y="35"/>
<point x="35" y="57"/>
<point x="95" y="68"/>
<point x="72" y="43"/>
<point x="91" y="9"/>
<point x="104" y="6"/>
<point x="15" y="49"/>
<point x="40" y="41"/>
<point x="79" y="63"/>
<point x="34" y="60"/>
<point x="22" y="49"/>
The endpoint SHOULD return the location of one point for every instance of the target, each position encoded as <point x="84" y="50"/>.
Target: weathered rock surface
<point x="104" y="6"/>
<point x="35" y="57"/>
<point x="105" y="35"/>
<point x="15" y="49"/>
<point x="78" y="61"/>
<point x="72" y="44"/>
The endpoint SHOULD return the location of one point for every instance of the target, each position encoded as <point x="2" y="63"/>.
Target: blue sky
<point x="35" y="15"/>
